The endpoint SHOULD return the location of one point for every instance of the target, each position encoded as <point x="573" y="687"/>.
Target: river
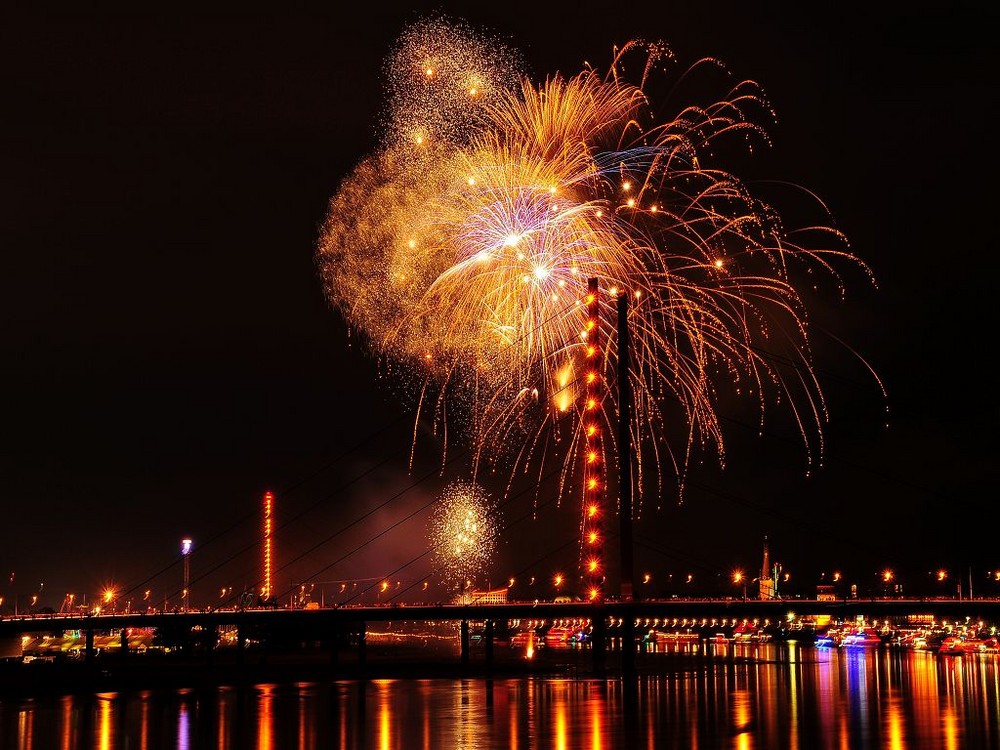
<point x="770" y="695"/>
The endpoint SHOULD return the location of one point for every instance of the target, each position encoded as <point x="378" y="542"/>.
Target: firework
<point x="462" y="250"/>
<point x="464" y="532"/>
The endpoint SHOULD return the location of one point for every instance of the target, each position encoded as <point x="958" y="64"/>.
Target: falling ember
<point x="464" y="531"/>
<point x="564" y="394"/>
<point x="479" y="245"/>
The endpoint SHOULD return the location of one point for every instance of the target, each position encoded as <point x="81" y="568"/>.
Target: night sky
<point x="168" y="353"/>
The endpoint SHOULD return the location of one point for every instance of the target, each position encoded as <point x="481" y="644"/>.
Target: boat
<point x="749" y="634"/>
<point x="862" y="638"/>
<point x="960" y="644"/>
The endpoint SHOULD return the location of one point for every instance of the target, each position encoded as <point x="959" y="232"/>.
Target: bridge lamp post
<point x="186" y="545"/>
<point x="887" y="577"/>
<point x="740" y="578"/>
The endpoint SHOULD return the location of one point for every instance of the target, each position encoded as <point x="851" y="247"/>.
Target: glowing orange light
<point x="591" y="457"/>
<point x="592" y="484"/>
<point x="268" y="508"/>
<point x="590" y="299"/>
<point x="590" y="351"/>
<point x="592" y="566"/>
<point x="593" y="594"/>
<point x="631" y="202"/>
<point x="591" y="403"/>
<point x="592" y="511"/>
<point x="558" y="579"/>
<point x="942" y="575"/>
<point x="718" y="263"/>
<point x="591" y="377"/>
<point x="592" y="537"/>
<point x="429" y="72"/>
<point x="591" y="430"/>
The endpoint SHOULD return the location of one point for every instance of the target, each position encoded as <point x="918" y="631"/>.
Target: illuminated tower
<point x="767" y="587"/>
<point x="186" y="545"/>
<point x="594" y="473"/>
<point x="265" y="591"/>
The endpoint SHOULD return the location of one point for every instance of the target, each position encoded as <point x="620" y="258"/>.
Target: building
<point x="495" y="596"/>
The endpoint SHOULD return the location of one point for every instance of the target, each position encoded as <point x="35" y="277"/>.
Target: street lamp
<point x="186" y="545"/>
<point x="740" y="578"/>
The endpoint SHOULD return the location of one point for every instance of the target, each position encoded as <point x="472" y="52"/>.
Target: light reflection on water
<point x="738" y="697"/>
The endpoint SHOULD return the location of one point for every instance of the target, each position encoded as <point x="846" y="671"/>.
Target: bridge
<point x="607" y="620"/>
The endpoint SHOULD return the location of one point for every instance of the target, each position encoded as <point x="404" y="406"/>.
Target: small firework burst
<point x="464" y="532"/>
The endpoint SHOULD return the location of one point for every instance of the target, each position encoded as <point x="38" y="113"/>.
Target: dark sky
<point x="168" y="354"/>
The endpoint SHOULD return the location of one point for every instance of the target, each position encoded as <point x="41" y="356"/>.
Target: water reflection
<point x="743" y="697"/>
<point x="265" y="717"/>
<point x="105" y="720"/>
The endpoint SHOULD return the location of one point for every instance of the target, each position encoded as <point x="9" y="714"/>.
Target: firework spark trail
<point x="462" y="248"/>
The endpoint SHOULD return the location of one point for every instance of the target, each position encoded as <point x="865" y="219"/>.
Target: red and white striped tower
<point x="594" y="470"/>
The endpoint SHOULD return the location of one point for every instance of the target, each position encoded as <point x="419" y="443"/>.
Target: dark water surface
<point x="759" y="696"/>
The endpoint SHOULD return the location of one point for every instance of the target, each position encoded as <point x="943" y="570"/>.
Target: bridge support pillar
<point x="598" y="641"/>
<point x="88" y="652"/>
<point x="241" y="645"/>
<point x="362" y="642"/>
<point x="211" y="638"/>
<point x="465" y="643"/>
<point x="124" y="641"/>
<point x="334" y="647"/>
<point x="628" y="645"/>
<point x="488" y="643"/>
